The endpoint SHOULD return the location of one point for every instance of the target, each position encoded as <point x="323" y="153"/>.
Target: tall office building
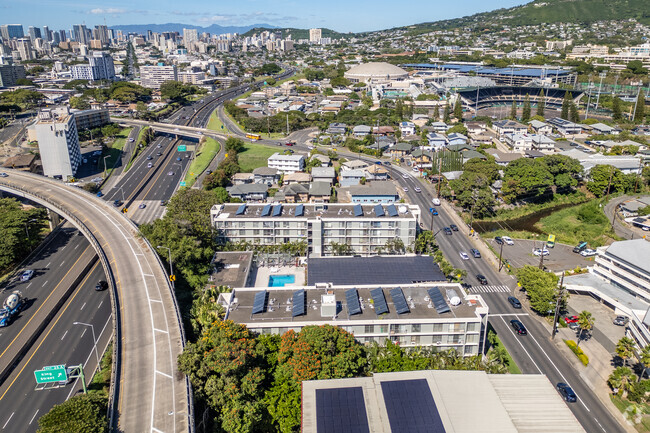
<point x="58" y="143"/>
<point x="153" y="76"/>
<point x="100" y="67"/>
<point x="10" y="31"/>
<point x="34" y="33"/>
<point x="315" y="35"/>
<point x="62" y="36"/>
<point x="25" y="49"/>
<point x="101" y="34"/>
<point x="80" y="34"/>
<point x="190" y="35"/>
<point x="47" y="34"/>
<point x="56" y="38"/>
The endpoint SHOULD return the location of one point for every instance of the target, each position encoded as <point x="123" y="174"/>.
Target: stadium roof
<point x="518" y="72"/>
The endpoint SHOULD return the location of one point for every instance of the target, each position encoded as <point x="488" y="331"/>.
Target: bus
<point x="254" y="136"/>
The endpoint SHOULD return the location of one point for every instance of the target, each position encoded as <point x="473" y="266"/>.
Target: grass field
<point x="254" y="156"/>
<point x="216" y="124"/>
<point x="203" y="158"/>
<point x="623" y="405"/>
<point x="114" y="152"/>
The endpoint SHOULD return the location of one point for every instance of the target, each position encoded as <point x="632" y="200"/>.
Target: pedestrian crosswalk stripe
<point x="489" y="289"/>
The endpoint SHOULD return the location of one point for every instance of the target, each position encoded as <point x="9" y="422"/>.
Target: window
<point x="416" y="328"/>
<point x="369" y="329"/>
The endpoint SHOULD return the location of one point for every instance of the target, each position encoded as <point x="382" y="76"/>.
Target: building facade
<point x="11" y="31"/>
<point x="9" y="73"/>
<point x="362" y="229"/>
<point x="153" y="76"/>
<point x="89" y="119"/>
<point x="625" y="265"/>
<point x="286" y="163"/>
<point x="100" y="67"/>
<point x="58" y="143"/>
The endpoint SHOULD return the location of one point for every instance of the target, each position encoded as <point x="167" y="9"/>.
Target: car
<point x="386" y="163"/>
<point x="519" y="327"/>
<point x="541" y="252"/>
<point x="178" y="158"/>
<point x="588" y="252"/>
<point x="101" y="285"/>
<point x="149" y="158"/>
<point x="289" y="143"/>
<point x="3" y="174"/>
<point x="463" y="255"/>
<point x="131" y="140"/>
<point x="621" y="320"/>
<point x="117" y="203"/>
<point x="498" y="240"/>
<point x="476" y="253"/>
<point x="571" y="319"/>
<point x="417" y="189"/>
<point x="149" y="165"/>
<point x="158" y="154"/>
<point x="508" y="240"/>
<point x="163" y="202"/>
<point x="514" y="302"/>
<point x="26" y="275"/>
<point x="405" y="189"/>
<point x="97" y="179"/>
<point x="208" y="172"/>
<point x="454" y="227"/>
<point x="99" y="194"/>
<point x="416" y="169"/>
<point x="481" y="278"/>
<point x="405" y="176"/>
<point x="566" y="392"/>
<point x="160" y="145"/>
<point x="447" y="231"/>
<point x="574" y="326"/>
<point x="434" y="211"/>
<point x="435" y="201"/>
<point x="142" y="206"/>
<point x="580" y="247"/>
<point x="170" y="173"/>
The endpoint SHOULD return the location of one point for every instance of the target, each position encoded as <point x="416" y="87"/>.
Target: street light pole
<point x="105" y="165"/>
<point x="602" y="75"/>
<point x="500" y="257"/>
<point x="557" y="307"/>
<point x="92" y="328"/>
<point x="171" y="268"/>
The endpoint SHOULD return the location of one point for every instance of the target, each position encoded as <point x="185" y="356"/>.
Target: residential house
<point x="297" y="177"/>
<point x="503" y="127"/>
<point x="407" y="128"/>
<point x="320" y="192"/>
<point x="286" y="163"/>
<point x="294" y="193"/>
<point x="518" y="142"/>
<point x="242" y="178"/>
<point x="440" y="127"/>
<point x="422" y="157"/>
<point x="25" y="162"/>
<point x="355" y="164"/>
<point x="602" y="129"/>
<point x="383" y="130"/>
<point x="502" y="158"/>
<point x="373" y="192"/>
<point x="250" y="192"/>
<point x="436" y="141"/>
<point x="543" y="143"/>
<point x="470" y="154"/>
<point x="456" y="138"/>
<point x="532" y="153"/>
<point x="376" y="172"/>
<point x="565" y="127"/>
<point x="625" y="163"/>
<point x="325" y="160"/>
<point x="323" y="174"/>
<point x="337" y="128"/>
<point x="400" y="150"/>
<point x="266" y="175"/>
<point x="361" y="131"/>
<point x="540" y="127"/>
<point x="477" y="127"/>
<point x="349" y="177"/>
<point x="459" y="147"/>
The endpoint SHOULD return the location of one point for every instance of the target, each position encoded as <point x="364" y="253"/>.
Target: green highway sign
<point x="52" y="373"/>
<point x="182" y="183"/>
<point x="182" y="148"/>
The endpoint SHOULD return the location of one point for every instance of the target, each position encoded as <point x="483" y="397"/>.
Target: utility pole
<point x="541" y="256"/>
<point x="471" y="217"/>
<point x="500" y="257"/>
<point x="557" y="306"/>
<point x="439" y="174"/>
<point x="636" y="101"/>
<point x="588" y="100"/>
<point x="287" y="124"/>
<point x="602" y="75"/>
<point x="268" y="126"/>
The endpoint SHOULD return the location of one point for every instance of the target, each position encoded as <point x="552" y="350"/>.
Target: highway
<point x="22" y="403"/>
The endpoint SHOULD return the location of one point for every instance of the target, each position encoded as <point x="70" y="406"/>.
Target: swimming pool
<point x="281" y="280"/>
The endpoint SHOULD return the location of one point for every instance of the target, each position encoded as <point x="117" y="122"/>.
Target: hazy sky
<point x="340" y="15"/>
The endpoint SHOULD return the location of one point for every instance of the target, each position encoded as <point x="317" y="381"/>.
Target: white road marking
<point x="83" y="333"/>
<point x="100" y="304"/>
<point x="76" y="246"/>
<point x="46" y="281"/>
<point x="160" y="330"/>
<point x="11" y="416"/>
<point x="32" y="420"/>
<point x="48" y="265"/>
<point x="29" y="285"/>
<point x="163" y="374"/>
<point x="155" y="300"/>
<point x="62" y="263"/>
<point x="82" y="307"/>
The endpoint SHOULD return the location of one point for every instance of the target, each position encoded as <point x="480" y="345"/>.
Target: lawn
<point x="623" y="405"/>
<point x="512" y="366"/>
<point x="254" y="156"/>
<point x="519" y="211"/>
<point x="203" y="158"/>
<point x="114" y="151"/>
<point x="216" y="124"/>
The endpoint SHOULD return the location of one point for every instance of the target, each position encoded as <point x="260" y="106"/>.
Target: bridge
<point x="148" y="394"/>
<point x="185" y="131"/>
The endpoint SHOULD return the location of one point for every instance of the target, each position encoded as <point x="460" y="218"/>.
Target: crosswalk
<point x="488" y="289"/>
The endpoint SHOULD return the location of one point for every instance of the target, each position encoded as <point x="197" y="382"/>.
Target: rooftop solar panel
<point x="341" y="410"/>
<point x="277" y="210"/>
<point x="352" y="300"/>
<point x="358" y="210"/>
<point x="300" y="210"/>
<point x="392" y="210"/>
<point x="399" y="301"/>
<point x="267" y="210"/>
<point x="438" y="301"/>
<point x="379" y="300"/>
<point x="259" y="303"/>
<point x="410" y="407"/>
<point x="241" y="209"/>
<point x="299" y="301"/>
<point x="379" y="211"/>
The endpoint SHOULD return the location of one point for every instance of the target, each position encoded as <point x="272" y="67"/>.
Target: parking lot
<point x="560" y="258"/>
<point x="605" y="332"/>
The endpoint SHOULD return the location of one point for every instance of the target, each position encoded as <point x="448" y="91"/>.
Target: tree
<point x="625" y="348"/>
<point x="458" y="109"/>
<point x="565" y="170"/>
<point x="636" y="67"/>
<point x="541" y="288"/>
<point x="25" y="82"/>
<point x="541" y="104"/>
<point x="621" y="380"/>
<point x="599" y="180"/>
<point x="173" y="90"/>
<point x="513" y="110"/>
<point x="644" y="359"/>
<point x="639" y="113"/>
<point x="15" y="225"/>
<point x="566" y="103"/>
<point x="585" y="322"/>
<point x="446" y="115"/>
<point x="205" y="309"/>
<point x="425" y="242"/>
<point x="340" y="249"/>
<point x="574" y="116"/>
<point x="525" y="113"/>
<point x="234" y="144"/>
<point x="436" y="113"/>
<point x="81" y="413"/>
<point x="525" y="178"/>
<point x="617" y="113"/>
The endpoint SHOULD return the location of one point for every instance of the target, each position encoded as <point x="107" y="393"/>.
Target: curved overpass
<point x="148" y="394"/>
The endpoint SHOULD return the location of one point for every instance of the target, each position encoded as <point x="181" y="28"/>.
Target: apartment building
<point x="286" y="163"/>
<point x="58" y="143"/>
<point x="423" y="314"/>
<point x="100" y="67"/>
<point x="89" y="119"/>
<point x="625" y="265"/>
<point x="315" y="35"/>
<point x="365" y="229"/>
<point x="9" y="73"/>
<point x="153" y="76"/>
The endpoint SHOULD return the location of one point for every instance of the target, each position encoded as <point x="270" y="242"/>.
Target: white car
<point x="417" y="189"/>
<point x="539" y="251"/>
<point x="463" y="255"/>
<point x="26" y="275"/>
<point x="405" y="176"/>
<point x="508" y="240"/>
<point x="436" y="201"/>
<point x="588" y="252"/>
<point x="405" y="189"/>
<point x="3" y="174"/>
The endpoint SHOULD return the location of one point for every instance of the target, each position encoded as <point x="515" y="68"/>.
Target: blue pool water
<point x="281" y="280"/>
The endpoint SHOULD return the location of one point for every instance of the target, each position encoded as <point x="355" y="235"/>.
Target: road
<point x="21" y="402"/>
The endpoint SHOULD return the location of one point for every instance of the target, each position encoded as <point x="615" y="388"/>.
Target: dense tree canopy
<point x="20" y="230"/>
<point x="525" y="178"/>
<point x="540" y="286"/>
<point x="81" y="413"/>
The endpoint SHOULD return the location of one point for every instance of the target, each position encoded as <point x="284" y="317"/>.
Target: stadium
<point x="488" y="97"/>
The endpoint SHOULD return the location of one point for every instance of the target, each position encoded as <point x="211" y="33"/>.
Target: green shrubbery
<point x="578" y="351"/>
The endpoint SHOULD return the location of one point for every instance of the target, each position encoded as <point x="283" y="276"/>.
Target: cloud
<point x="100" y="11"/>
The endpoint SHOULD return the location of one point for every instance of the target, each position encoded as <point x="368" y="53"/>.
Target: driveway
<point x="560" y="258"/>
<point x="621" y="228"/>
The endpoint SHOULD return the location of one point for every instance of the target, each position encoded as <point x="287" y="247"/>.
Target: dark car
<point x="580" y="247"/>
<point x="519" y="327"/>
<point x="481" y="278"/>
<point x="117" y="203"/>
<point x="454" y="227"/>
<point x="498" y="240"/>
<point x="102" y="285"/>
<point x="149" y="158"/>
<point x="434" y="211"/>
<point x="447" y="230"/>
<point x="476" y="253"/>
<point x="566" y="392"/>
<point x="514" y="302"/>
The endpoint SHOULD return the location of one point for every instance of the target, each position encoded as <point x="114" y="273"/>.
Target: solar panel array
<point x="277" y="210"/>
<point x="358" y="210"/>
<point x="299" y="302"/>
<point x="259" y="303"/>
<point x="410" y="407"/>
<point x="341" y="410"/>
<point x="399" y="301"/>
<point x="241" y="210"/>
<point x="352" y="300"/>
<point x="379" y="301"/>
<point x="438" y="301"/>
<point x="267" y="210"/>
<point x="300" y="210"/>
<point x="392" y="210"/>
<point x="379" y="211"/>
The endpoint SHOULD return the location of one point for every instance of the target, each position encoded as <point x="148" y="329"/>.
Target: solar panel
<point x="352" y="300"/>
<point x="399" y="301"/>
<point x="259" y="304"/>
<point x="300" y="210"/>
<point x="392" y="210"/>
<point x="438" y="301"/>
<point x="379" y="301"/>
<point x="241" y="209"/>
<point x="411" y="407"/>
<point x="277" y="210"/>
<point x="358" y="210"/>
<point x="299" y="301"/>
<point x="341" y="410"/>
<point x="379" y="211"/>
<point x="267" y="210"/>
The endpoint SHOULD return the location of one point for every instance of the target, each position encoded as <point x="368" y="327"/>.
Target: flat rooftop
<point x="373" y="270"/>
<point x="231" y="268"/>
<point x="291" y="210"/>
<point x="279" y="304"/>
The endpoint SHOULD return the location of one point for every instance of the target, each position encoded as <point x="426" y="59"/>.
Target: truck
<point x="11" y="307"/>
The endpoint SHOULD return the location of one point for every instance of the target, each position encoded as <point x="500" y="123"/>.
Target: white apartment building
<point x="315" y="35"/>
<point x="286" y="163"/>
<point x="364" y="228"/>
<point x="625" y="264"/>
<point x="100" y="67"/>
<point x="58" y="143"/>
<point x="423" y="314"/>
<point x="153" y="76"/>
<point x="192" y="77"/>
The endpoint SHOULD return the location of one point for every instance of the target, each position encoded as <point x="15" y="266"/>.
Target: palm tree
<point x="621" y="380"/>
<point x="644" y="359"/>
<point x="205" y="309"/>
<point x="585" y="322"/>
<point x="625" y="348"/>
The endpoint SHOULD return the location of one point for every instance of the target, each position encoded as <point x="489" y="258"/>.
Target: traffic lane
<point x="163" y="184"/>
<point x="63" y="343"/>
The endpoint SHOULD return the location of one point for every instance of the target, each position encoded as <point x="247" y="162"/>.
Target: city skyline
<point x="360" y="15"/>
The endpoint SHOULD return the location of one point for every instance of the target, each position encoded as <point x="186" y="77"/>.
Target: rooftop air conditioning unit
<point x="328" y="305"/>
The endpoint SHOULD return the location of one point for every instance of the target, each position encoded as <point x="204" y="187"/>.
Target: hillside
<point x="300" y="33"/>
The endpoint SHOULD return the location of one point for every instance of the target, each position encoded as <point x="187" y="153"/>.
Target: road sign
<point x="172" y="278"/>
<point x="52" y="373"/>
<point x="182" y="148"/>
<point x="182" y="183"/>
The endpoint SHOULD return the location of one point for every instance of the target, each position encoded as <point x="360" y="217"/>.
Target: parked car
<point x="454" y="227"/>
<point x="463" y="255"/>
<point x="476" y="253"/>
<point x="508" y="240"/>
<point x="447" y="231"/>
<point x="101" y="285"/>
<point x="117" y="203"/>
<point x="163" y="202"/>
<point x="574" y="326"/>
<point x="3" y="174"/>
<point x="571" y="319"/>
<point x="588" y="252"/>
<point x="514" y="302"/>
<point x="580" y="247"/>
<point x="498" y="240"/>
<point x="566" y="392"/>
<point x="621" y="320"/>
<point x="481" y="278"/>
<point x="541" y="252"/>
<point x="519" y="327"/>
<point x="26" y="275"/>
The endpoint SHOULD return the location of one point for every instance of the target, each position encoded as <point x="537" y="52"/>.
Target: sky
<point x="339" y="15"/>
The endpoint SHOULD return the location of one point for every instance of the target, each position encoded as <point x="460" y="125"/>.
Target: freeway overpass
<point x="147" y="392"/>
<point x="186" y="131"/>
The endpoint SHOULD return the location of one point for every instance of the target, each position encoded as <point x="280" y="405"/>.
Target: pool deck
<point x="262" y="275"/>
